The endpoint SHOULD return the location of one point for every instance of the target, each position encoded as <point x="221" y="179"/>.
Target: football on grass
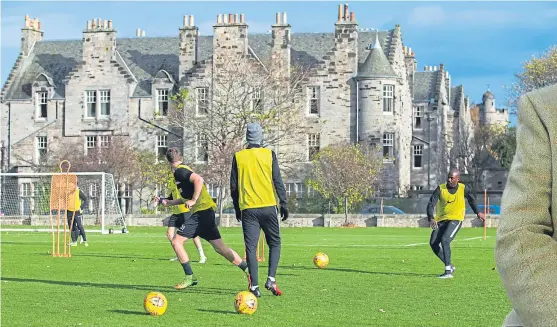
<point x="155" y="304"/>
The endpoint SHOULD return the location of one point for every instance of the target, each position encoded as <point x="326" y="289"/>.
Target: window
<point x="202" y="100"/>
<point x="388" y="98"/>
<point x="93" y="189"/>
<point x="314" y="93"/>
<point x="42" y="98"/>
<point x="299" y="190"/>
<point x="162" y="146"/>
<point x="104" y="141"/>
<point x="257" y="101"/>
<point x="26" y="189"/>
<point x="162" y="102"/>
<point x="90" y="143"/>
<point x="388" y="145"/>
<point x="418" y="156"/>
<point x="313" y="145"/>
<point x="91" y="104"/>
<point x="98" y="104"/>
<point x="128" y="190"/>
<point x="42" y="146"/>
<point x="311" y="192"/>
<point x="201" y="149"/>
<point x="105" y="103"/>
<point x="289" y="187"/>
<point x="418" y="117"/>
<point x="126" y="201"/>
<point x="213" y="190"/>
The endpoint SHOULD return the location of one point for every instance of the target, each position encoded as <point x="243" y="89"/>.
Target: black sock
<point x="243" y="265"/>
<point x="187" y="268"/>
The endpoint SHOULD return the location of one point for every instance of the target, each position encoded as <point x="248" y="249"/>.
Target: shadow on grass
<point x="260" y="267"/>
<point x="149" y="288"/>
<point x="388" y="273"/>
<point x="129" y="312"/>
<point x="218" y="311"/>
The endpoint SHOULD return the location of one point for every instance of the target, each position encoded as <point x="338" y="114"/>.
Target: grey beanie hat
<point x="254" y="134"/>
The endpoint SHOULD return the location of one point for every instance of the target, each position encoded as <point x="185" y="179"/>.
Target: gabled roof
<point x="146" y="56"/>
<point x="425" y="84"/>
<point x="376" y="63"/>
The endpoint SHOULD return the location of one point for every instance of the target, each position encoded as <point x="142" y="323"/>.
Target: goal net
<point x="25" y="202"/>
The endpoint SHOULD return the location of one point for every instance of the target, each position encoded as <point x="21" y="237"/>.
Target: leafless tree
<point x="216" y="113"/>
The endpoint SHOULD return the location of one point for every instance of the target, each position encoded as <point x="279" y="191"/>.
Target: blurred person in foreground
<point x="526" y="243"/>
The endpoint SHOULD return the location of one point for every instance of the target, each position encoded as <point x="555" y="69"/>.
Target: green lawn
<point x="374" y="279"/>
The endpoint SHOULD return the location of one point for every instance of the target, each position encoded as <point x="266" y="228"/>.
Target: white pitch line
<point x="466" y="239"/>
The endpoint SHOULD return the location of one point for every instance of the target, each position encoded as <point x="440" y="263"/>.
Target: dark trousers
<point x="442" y="237"/>
<point x="77" y="228"/>
<point x="253" y="220"/>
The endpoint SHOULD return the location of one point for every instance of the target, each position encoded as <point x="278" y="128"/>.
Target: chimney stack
<point x="189" y="37"/>
<point x="99" y="42"/>
<point x="30" y="34"/>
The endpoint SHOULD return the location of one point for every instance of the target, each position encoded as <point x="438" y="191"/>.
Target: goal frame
<point x="103" y="175"/>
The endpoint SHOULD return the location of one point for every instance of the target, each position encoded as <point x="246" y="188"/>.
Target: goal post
<point x="25" y="202"/>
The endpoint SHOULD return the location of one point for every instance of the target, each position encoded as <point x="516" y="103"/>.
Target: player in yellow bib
<point x="77" y="200"/>
<point x="450" y="202"/>
<point x="201" y="222"/>
<point x="179" y="214"/>
<point x="254" y="180"/>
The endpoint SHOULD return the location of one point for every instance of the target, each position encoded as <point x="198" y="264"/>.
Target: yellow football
<point x="321" y="260"/>
<point x="245" y="303"/>
<point x="155" y="304"/>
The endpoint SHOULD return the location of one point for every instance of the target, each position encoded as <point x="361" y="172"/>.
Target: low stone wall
<point x="295" y="220"/>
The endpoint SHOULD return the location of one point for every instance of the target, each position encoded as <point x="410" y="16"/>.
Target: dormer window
<point x="42" y="103"/>
<point x="162" y="102"/>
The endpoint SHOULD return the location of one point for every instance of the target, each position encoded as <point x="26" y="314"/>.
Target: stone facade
<point x="365" y="84"/>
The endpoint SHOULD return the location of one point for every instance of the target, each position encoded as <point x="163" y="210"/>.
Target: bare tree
<point x="216" y="114"/>
<point x="477" y="152"/>
<point x="346" y="172"/>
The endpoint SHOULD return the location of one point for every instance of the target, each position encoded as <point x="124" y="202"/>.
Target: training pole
<point x="485" y="214"/>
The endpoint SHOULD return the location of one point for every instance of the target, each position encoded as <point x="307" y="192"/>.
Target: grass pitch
<point x="376" y="277"/>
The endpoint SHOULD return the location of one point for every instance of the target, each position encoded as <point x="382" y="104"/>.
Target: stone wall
<point x="296" y="220"/>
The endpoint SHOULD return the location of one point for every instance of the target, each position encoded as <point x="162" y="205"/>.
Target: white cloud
<point x="427" y="16"/>
<point x="54" y="26"/>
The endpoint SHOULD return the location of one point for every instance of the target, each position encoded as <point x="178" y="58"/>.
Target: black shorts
<point x="177" y="219"/>
<point x="202" y="224"/>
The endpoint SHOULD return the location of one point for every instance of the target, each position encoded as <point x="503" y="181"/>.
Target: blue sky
<point x="480" y="43"/>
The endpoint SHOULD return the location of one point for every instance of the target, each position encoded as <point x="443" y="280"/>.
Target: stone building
<point x="365" y="86"/>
